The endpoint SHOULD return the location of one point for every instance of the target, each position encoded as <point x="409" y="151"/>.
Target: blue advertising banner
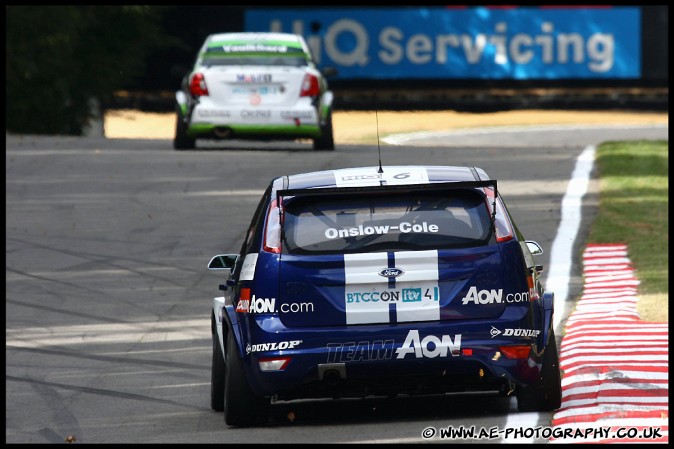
<point x="517" y="43"/>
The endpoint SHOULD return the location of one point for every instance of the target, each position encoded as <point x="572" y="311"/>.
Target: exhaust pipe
<point x="331" y="377"/>
<point x="331" y="373"/>
<point x="222" y="132"/>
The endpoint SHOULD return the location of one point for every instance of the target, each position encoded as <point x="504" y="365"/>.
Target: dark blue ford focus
<point x="381" y="281"/>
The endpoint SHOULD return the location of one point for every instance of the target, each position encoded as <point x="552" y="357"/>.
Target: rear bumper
<point x="388" y="359"/>
<point x="381" y="379"/>
<point x="264" y="131"/>
<point x="206" y="111"/>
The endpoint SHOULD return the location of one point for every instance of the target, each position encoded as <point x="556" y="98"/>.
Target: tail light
<point x="198" y="85"/>
<point x="515" y="352"/>
<point x="310" y="87"/>
<point x="272" y="236"/>
<point x="273" y="364"/>
<point x="504" y="230"/>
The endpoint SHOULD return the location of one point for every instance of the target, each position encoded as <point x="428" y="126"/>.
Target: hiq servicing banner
<point x="476" y="42"/>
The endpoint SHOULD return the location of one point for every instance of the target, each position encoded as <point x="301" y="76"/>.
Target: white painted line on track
<point x="561" y="253"/>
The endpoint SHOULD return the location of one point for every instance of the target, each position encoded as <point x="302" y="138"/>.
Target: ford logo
<point x="391" y="272"/>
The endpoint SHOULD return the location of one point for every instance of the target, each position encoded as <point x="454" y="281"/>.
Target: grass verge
<point x="633" y="209"/>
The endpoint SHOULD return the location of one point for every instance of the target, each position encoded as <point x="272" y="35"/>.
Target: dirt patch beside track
<point x="360" y="127"/>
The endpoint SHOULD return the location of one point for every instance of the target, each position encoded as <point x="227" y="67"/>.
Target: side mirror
<point x="534" y="247"/>
<point x="223" y="262"/>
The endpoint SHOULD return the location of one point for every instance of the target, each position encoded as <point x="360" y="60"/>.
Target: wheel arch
<point x="224" y="324"/>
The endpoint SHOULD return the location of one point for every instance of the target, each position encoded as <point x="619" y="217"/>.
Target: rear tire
<point x="326" y="141"/>
<point x="182" y="141"/>
<point x="217" y="373"/>
<point x="243" y="407"/>
<point x="545" y="394"/>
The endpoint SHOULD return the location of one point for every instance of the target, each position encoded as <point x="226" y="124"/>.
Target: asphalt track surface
<point x="108" y="296"/>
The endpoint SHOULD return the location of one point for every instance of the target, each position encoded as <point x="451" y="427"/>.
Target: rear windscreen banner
<point x="515" y="43"/>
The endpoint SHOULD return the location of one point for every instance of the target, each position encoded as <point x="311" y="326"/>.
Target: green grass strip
<point x="633" y="209"/>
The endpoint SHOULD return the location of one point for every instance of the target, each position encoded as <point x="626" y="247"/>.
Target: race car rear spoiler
<point x="327" y="191"/>
<point x="435" y="186"/>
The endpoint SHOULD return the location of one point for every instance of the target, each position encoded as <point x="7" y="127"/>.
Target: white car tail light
<point x="310" y="86"/>
<point x="198" y="85"/>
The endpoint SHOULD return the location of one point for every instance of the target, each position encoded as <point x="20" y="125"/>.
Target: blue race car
<point x="381" y="281"/>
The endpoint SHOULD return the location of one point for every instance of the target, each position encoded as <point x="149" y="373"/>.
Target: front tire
<point x="326" y="141"/>
<point x="545" y="394"/>
<point x="243" y="407"/>
<point x="182" y="141"/>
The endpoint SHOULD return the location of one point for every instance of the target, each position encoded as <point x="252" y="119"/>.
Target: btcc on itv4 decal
<point x="351" y="280"/>
<point x="260" y="86"/>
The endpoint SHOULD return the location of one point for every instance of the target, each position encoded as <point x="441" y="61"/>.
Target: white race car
<point x="261" y="86"/>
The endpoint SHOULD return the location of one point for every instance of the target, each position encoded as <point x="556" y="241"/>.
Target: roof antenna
<point x="381" y="170"/>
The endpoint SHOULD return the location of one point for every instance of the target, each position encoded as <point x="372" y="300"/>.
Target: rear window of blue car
<point x="416" y="221"/>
